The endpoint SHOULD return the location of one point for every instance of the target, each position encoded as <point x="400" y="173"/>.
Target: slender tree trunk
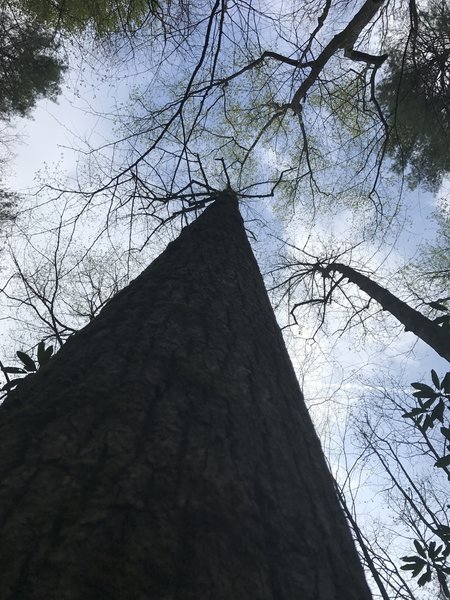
<point x="412" y="319"/>
<point x="166" y="451"/>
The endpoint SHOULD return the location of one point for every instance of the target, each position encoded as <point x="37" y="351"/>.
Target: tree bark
<point x="166" y="451"/>
<point x="412" y="319"/>
<point x="345" y="39"/>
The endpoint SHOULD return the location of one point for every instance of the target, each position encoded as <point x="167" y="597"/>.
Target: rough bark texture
<point x="412" y="319"/>
<point x="166" y="452"/>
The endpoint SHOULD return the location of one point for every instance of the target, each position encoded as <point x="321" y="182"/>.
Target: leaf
<point x="438" y="412"/>
<point x="443" y="462"/>
<point x="40" y="352"/>
<point x="408" y="567"/>
<point x="425" y="578"/>
<point x="413" y="413"/>
<point x="415" y="567"/>
<point x="445" y="383"/>
<point x="431" y="548"/>
<point x="443" y="581"/>
<point x="11" y="384"/>
<point x="13" y="370"/>
<point x="409" y="558"/>
<point x="48" y="354"/>
<point x="423" y="387"/>
<point x="419" y="395"/>
<point x="44" y="354"/>
<point x="419" y="548"/>
<point x="426" y="405"/>
<point x="445" y="432"/>
<point x="418" y="568"/>
<point x="428" y="422"/>
<point x="435" y="379"/>
<point x="27" y="361"/>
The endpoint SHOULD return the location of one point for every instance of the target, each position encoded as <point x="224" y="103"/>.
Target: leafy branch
<point x="29" y="367"/>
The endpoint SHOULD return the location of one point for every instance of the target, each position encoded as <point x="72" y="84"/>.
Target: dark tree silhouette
<point x="166" y="450"/>
<point x="426" y="329"/>
<point x="420" y="121"/>
<point x="30" y="68"/>
<point x="330" y="276"/>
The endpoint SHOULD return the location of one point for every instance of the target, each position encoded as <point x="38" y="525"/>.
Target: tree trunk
<point x="166" y="452"/>
<point x="412" y="319"/>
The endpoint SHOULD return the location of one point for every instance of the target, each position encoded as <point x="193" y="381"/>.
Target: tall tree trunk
<point x="412" y="319"/>
<point x="166" y="451"/>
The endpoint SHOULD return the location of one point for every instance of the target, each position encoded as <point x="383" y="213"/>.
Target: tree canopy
<point x="102" y="16"/>
<point x="415" y="92"/>
<point x="30" y="67"/>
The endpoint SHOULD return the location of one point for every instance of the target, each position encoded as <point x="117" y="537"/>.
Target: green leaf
<point x="409" y="558"/>
<point x="48" y="353"/>
<point x="425" y="578"/>
<point x="419" y="548"/>
<point x="44" y="354"/>
<point x="408" y="567"/>
<point x="435" y="379"/>
<point x="438" y="412"/>
<point x="426" y="394"/>
<point x="413" y="413"/>
<point x="27" y="361"/>
<point x="443" y="462"/>
<point x="445" y="383"/>
<point x="426" y="405"/>
<point x="40" y="352"/>
<point x="423" y="387"/>
<point x="432" y="552"/>
<point x="11" y="384"/>
<point x="13" y="370"/>
<point x="428" y="422"/>
<point x="416" y="566"/>
<point x="443" y="581"/>
<point x="445" y="432"/>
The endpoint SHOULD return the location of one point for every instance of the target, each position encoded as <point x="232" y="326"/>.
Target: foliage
<point x="103" y="16"/>
<point x="427" y="276"/>
<point x="420" y="120"/>
<point x="430" y="558"/>
<point x="432" y="404"/>
<point x="43" y="355"/>
<point x="397" y="460"/>
<point x="30" y="68"/>
<point x="8" y="202"/>
<point x="435" y="260"/>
